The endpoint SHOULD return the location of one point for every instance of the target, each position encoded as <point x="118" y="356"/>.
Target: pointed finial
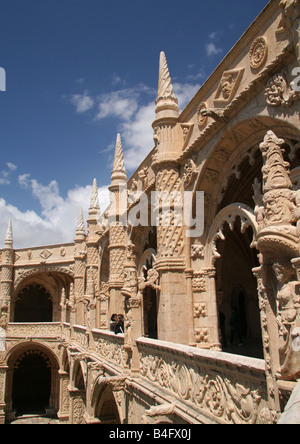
<point x="119" y="164"/>
<point x="166" y="99"/>
<point x="119" y="175"/>
<point x="9" y="236"/>
<point x="165" y="87"/>
<point x="94" y="205"/>
<point x="80" y="228"/>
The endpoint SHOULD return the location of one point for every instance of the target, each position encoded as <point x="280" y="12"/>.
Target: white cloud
<point x="82" y="102"/>
<point x="138" y="136"/>
<point x="57" y="222"/>
<point x="4" y="174"/>
<point x="211" y="49"/>
<point x="122" y="104"/>
<point x="185" y="92"/>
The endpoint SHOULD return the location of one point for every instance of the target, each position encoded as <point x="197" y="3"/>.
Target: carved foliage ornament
<point x="279" y="93"/>
<point x="258" y="52"/>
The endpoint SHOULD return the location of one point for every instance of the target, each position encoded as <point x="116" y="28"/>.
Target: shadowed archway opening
<point x="237" y="293"/>
<point x="106" y="408"/>
<point x="31" y="383"/>
<point x="33" y="304"/>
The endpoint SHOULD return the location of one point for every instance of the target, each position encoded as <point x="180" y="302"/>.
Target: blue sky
<point x="80" y="71"/>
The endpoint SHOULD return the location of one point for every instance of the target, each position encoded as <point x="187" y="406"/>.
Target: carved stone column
<point x="64" y="398"/>
<point x="267" y="305"/>
<point x="117" y="229"/>
<point x="3" y="371"/>
<point x="291" y="21"/>
<point x="206" y="319"/>
<point x="173" y="307"/>
<point x="278" y="242"/>
<point x="133" y="311"/>
<point x="6" y="278"/>
<point x="77" y="315"/>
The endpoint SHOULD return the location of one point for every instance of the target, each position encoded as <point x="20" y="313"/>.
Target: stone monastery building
<point x="231" y="161"/>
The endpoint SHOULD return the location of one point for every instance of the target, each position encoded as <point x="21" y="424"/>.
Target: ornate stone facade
<point x="238" y="142"/>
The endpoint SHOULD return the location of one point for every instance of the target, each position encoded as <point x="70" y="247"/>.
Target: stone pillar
<point x="117" y="219"/>
<point x="92" y="290"/>
<point x="3" y="371"/>
<point x="133" y="308"/>
<point x="170" y="263"/>
<point x="206" y="318"/>
<point x="64" y="397"/>
<point x="291" y="22"/>
<point x="77" y="315"/>
<point x="6" y="278"/>
<point x="278" y="287"/>
<point x="267" y="305"/>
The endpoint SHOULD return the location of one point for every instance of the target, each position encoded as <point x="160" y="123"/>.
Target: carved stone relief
<point x="279" y="92"/>
<point x="228" y="86"/>
<point x="258" y="52"/>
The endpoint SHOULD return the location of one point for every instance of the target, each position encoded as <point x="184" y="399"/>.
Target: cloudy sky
<point x="77" y="73"/>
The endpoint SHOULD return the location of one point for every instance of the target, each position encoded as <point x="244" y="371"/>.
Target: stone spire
<point x="94" y="209"/>
<point x="166" y="129"/>
<point x="9" y="236"/>
<point x="80" y="229"/>
<point x="118" y="175"/>
<point x="166" y="103"/>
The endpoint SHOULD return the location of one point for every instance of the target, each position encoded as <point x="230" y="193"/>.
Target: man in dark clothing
<point x="113" y="323"/>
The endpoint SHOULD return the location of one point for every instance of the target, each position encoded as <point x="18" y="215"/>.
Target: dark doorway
<point x="33" y="304"/>
<point x="150" y="313"/>
<point x="31" y="384"/>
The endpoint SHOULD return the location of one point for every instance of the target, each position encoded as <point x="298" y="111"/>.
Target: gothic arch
<point x="234" y="161"/>
<point x="53" y="280"/>
<point x="25" y="351"/>
<point x="65" y="274"/>
<point x="105" y="403"/>
<point x="229" y="215"/>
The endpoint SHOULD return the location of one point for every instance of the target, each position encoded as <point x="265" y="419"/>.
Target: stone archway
<point x="31" y="383"/>
<point x="33" y="304"/>
<point x="38" y="295"/>
<point x="231" y="252"/>
<point x="32" y="380"/>
<point x="105" y="400"/>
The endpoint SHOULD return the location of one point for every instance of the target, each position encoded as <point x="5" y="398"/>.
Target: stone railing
<point x="223" y="388"/>
<point x="211" y="386"/>
<point x="34" y="330"/>
<point x="105" y="344"/>
<point x="110" y="347"/>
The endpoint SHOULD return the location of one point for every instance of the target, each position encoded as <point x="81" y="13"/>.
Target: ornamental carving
<point x="258" y="53"/>
<point x="201" y="115"/>
<point x="189" y="173"/>
<point x="197" y="251"/>
<point x="233" y="401"/>
<point x="278" y="198"/>
<point x="199" y="282"/>
<point x="228" y="86"/>
<point x="200" y="311"/>
<point x="279" y="93"/>
<point x="288" y="319"/>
